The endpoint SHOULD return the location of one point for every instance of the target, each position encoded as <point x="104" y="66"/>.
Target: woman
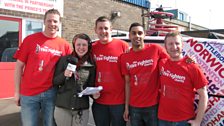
<point x="72" y="110"/>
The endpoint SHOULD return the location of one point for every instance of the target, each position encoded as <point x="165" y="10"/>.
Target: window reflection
<point x="33" y="27"/>
<point x="9" y="37"/>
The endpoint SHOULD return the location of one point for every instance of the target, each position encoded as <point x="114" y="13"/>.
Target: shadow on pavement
<point x="12" y="119"/>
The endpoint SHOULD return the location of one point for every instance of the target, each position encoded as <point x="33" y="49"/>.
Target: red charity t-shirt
<point x="40" y="52"/>
<point x="142" y="67"/>
<point x="179" y="80"/>
<point x="108" y="74"/>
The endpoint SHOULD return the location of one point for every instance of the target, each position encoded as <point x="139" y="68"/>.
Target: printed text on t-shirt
<point x="175" y="77"/>
<point x="47" y="49"/>
<point x="139" y="63"/>
<point x="106" y="58"/>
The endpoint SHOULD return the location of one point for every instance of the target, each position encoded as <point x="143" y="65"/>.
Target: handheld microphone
<point x="72" y="61"/>
<point x="71" y="67"/>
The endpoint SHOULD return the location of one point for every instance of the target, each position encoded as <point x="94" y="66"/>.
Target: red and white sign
<point x="32" y="6"/>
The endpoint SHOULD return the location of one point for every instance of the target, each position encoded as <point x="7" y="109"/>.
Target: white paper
<point x="90" y="91"/>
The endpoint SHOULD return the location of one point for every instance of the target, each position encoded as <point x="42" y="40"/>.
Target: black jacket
<point x="68" y="88"/>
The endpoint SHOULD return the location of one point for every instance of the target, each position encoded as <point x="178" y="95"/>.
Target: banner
<point x="209" y="55"/>
<point x="32" y="6"/>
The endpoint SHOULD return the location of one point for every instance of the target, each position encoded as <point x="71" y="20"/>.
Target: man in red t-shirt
<point x="108" y="108"/>
<point x="36" y="61"/>
<point x="140" y="68"/>
<point x="179" y="83"/>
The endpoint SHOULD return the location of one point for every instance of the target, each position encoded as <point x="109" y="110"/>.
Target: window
<point x="33" y="27"/>
<point x="181" y="16"/>
<point x="9" y="37"/>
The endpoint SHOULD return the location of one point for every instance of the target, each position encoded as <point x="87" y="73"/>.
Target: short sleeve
<point x="124" y="66"/>
<point x="199" y="79"/>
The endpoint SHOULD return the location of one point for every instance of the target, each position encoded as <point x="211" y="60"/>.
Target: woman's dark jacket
<point x="68" y="88"/>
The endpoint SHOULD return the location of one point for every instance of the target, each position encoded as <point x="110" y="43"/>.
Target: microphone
<point x="72" y="61"/>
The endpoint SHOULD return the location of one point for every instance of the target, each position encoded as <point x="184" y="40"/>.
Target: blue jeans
<point x="31" y="106"/>
<point x="168" y="123"/>
<point x="144" y="116"/>
<point x="104" y="115"/>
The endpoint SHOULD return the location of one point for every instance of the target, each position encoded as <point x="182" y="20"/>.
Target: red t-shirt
<point x="40" y="55"/>
<point x="142" y="67"/>
<point x="179" y="80"/>
<point x="108" y="74"/>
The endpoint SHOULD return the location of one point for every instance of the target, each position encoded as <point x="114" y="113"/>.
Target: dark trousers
<point x="169" y="123"/>
<point x="105" y="115"/>
<point x="144" y="116"/>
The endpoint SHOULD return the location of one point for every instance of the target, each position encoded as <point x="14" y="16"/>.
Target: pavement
<point x="10" y="114"/>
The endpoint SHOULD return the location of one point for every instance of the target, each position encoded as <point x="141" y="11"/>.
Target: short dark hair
<point x="102" y="19"/>
<point x="135" y="24"/>
<point x="172" y="34"/>
<point x="52" y="11"/>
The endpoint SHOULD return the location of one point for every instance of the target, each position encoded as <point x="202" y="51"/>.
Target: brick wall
<point x="80" y="16"/>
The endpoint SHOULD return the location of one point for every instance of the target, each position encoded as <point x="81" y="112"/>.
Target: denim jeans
<point x="168" y="123"/>
<point x="104" y="115"/>
<point x="31" y="106"/>
<point x="144" y="116"/>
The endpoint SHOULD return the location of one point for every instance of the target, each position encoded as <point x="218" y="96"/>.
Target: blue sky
<point x="207" y="13"/>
